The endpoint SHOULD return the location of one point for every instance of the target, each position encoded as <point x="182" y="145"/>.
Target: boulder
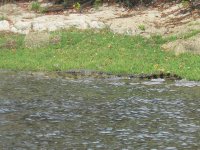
<point x="4" y="25"/>
<point x="22" y="25"/>
<point x="37" y="39"/>
<point x="49" y="23"/>
<point x="190" y="45"/>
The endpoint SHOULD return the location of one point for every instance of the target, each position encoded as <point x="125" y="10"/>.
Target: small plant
<point x="77" y="6"/>
<point x="43" y="9"/>
<point x="35" y="6"/>
<point x="142" y="27"/>
<point x="97" y="3"/>
<point x="3" y="18"/>
<point x="185" y="3"/>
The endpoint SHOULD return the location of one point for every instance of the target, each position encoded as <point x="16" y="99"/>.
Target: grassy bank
<point x="102" y="51"/>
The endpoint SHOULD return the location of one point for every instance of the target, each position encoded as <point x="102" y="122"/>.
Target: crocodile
<point x="82" y="73"/>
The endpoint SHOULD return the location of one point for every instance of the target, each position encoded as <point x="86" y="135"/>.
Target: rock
<point x="97" y="25"/>
<point x="84" y="22"/>
<point x="37" y="39"/>
<point x="79" y="23"/>
<point x="56" y="22"/>
<point x="22" y="25"/>
<point x="4" y="25"/>
<point x="28" y="15"/>
<point x="49" y="23"/>
<point x="190" y="45"/>
<point x="13" y="29"/>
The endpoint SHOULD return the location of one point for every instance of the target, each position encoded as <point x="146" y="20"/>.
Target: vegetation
<point x="103" y="51"/>
<point x="142" y="27"/>
<point x="77" y="6"/>
<point x="35" y="6"/>
<point x="3" y="18"/>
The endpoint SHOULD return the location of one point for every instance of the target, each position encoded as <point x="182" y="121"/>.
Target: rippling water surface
<point x="39" y="112"/>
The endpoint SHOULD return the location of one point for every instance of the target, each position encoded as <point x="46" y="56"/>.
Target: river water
<point x="40" y="112"/>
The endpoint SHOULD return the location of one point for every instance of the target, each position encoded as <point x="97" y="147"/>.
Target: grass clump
<point x="77" y="6"/>
<point x="35" y="6"/>
<point x="142" y="27"/>
<point x="102" y="51"/>
<point x="2" y="17"/>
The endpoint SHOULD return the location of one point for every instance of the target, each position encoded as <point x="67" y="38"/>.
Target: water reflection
<point x="38" y="112"/>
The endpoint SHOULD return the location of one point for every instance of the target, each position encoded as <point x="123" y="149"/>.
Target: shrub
<point x="3" y="18"/>
<point x="141" y="27"/>
<point x="77" y="6"/>
<point x="35" y="6"/>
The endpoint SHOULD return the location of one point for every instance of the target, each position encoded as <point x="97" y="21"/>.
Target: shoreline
<point x="84" y="73"/>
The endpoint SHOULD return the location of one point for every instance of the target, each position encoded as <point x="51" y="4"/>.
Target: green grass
<point x="102" y="51"/>
<point x="3" y="17"/>
<point x="142" y="27"/>
<point x="35" y="6"/>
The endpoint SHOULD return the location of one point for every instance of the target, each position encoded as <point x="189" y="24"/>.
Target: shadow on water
<point x="39" y="112"/>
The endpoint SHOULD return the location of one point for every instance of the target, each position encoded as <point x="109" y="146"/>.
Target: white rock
<point x="37" y="26"/>
<point x="13" y="29"/>
<point x="78" y="23"/>
<point x="97" y="25"/>
<point x="4" y="25"/>
<point x="37" y="39"/>
<point x="24" y="26"/>
<point x="49" y="23"/>
<point x="28" y="15"/>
